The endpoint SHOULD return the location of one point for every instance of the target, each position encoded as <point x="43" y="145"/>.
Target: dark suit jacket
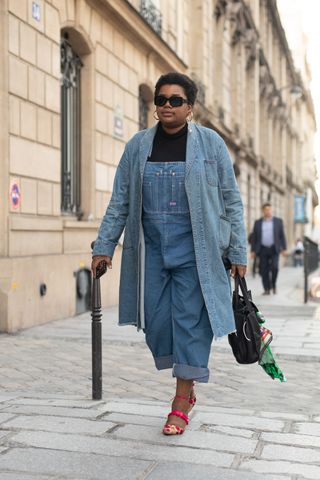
<point x="278" y="231"/>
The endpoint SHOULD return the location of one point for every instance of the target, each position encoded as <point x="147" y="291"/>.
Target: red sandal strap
<point x="180" y="414"/>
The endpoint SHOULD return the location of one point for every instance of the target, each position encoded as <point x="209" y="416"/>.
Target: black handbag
<point x="246" y="341"/>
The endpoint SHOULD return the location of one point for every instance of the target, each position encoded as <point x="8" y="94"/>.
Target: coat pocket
<point x="224" y="232"/>
<point x="211" y="172"/>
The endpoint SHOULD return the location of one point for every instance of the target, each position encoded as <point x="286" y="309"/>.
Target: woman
<point x="176" y="195"/>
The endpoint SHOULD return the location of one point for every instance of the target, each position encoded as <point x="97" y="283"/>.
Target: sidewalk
<point x="244" y="427"/>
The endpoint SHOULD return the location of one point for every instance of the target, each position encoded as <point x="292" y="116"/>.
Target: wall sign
<point x="15" y="195"/>
<point x="118" y="122"/>
<point x="36" y="11"/>
<point x="299" y="209"/>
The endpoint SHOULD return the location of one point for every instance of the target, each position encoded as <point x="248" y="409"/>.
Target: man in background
<point x="268" y="241"/>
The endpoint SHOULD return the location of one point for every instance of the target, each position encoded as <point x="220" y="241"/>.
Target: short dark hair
<point x="267" y="204"/>
<point x="175" y="78"/>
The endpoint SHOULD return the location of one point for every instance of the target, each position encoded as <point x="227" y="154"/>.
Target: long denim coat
<point x="216" y="216"/>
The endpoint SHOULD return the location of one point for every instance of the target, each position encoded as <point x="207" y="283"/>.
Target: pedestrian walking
<point x="176" y="195"/>
<point x="268" y="241"/>
<point x="298" y="253"/>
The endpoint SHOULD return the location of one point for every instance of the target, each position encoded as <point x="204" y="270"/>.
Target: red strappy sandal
<point x="170" y="428"/>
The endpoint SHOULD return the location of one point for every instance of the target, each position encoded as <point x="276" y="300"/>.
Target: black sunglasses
<point x="174" y="101"/>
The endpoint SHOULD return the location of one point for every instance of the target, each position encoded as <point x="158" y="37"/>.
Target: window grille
<point x="152" y="15"/>
<point x="143" y="111"/>
<point x="70" y="129"/>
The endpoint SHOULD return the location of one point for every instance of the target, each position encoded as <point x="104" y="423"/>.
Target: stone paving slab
<point x="297" y="354"/>
<point x="284" y="416"/>
<point x="3" y="433"/>
<point x="311" y="472"/>
<point x="183" y="471"/>
<point x="291" y="439"/>
<point x="53" y="411"/>
<point x="137" y="409"/>
<point x="5" y="397"/>
<point x="4" y="417"/>
<point x="291" y="454"/>
<point x="234" y="432"/>
<point x="240" y="421"/>
<point x="120" y="447"/>
<point x="79" y="465"/>
<point x="308" y="428"/>
<point x="194" y="439"/>
<point x="58" y="424"/>
<point x="23" y="476"/>
<point x="56" y="402"/>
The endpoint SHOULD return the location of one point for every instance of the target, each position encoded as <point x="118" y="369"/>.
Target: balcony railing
<point x="152" y="15"/>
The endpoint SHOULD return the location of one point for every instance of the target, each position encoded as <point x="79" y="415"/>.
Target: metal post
<point x="311" y="262"/>
<point x="96" y="339"/>
<point x="306" y="273"/>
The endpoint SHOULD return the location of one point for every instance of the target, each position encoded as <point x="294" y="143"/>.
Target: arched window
<point x="70" y="129"/>
<point x="143" y="112"/>
<point x="145" y="107"/>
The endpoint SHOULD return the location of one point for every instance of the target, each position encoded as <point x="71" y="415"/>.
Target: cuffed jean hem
<point x="187" y="372"/>
<point x="163" y="362"/>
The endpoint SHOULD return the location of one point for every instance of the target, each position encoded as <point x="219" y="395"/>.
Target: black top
<point x="169" y="147"/>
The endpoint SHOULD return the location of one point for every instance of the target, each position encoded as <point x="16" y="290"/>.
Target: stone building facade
<point x="76" y="82"/>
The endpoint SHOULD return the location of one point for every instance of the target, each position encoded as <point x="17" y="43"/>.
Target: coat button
<point x="173" y="173"/>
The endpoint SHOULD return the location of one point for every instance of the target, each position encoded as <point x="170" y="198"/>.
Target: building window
<point x="152" y="15"/>
<point x="143" y="111"/>
<point x="70" y="129"/>
<point x="145" y="107"/>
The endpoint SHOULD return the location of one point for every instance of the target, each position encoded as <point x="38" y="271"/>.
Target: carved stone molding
<point x="220" y="8"/>
<point x="280" y="113"/>
<point x="267" y="88"/>
<point x="250" y="40"/>
<point x="237" y="21"/>
<point x="242" y="28"/>
<point x="264" y="79"/>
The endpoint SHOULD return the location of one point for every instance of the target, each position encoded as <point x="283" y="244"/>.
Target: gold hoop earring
<point x="155" y="116"/>
<point x="190" y="117"/>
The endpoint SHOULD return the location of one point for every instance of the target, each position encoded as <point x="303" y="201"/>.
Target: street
<point x="245" y="426"/>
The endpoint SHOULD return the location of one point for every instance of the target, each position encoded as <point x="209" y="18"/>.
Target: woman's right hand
<point x="97" y="259"/>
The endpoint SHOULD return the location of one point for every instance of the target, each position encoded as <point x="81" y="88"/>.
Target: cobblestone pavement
<point x="245" y="425"/>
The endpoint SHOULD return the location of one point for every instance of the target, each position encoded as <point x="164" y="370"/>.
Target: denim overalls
<point x="177" y="327"/>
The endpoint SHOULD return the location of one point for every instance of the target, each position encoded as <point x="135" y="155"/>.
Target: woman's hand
<point x="97" y="259"/>
<point x="240" y="269"/>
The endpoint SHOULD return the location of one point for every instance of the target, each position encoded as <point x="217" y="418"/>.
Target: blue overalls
<point x="177" y="327"/>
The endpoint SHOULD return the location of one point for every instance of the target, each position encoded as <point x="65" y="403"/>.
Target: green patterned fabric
<point x="267" y="361"/>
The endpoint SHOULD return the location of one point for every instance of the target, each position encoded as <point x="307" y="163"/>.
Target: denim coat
<point x="216" y="213"/>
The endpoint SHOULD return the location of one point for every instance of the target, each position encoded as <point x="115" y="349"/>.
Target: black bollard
<point x="311" y="262"/>
<point x="96" y="330"/>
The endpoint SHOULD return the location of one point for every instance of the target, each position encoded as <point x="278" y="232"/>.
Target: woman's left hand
<point x="240" y="269"/>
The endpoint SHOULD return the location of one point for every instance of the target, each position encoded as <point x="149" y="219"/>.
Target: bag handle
<point x="240" y="281"/>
